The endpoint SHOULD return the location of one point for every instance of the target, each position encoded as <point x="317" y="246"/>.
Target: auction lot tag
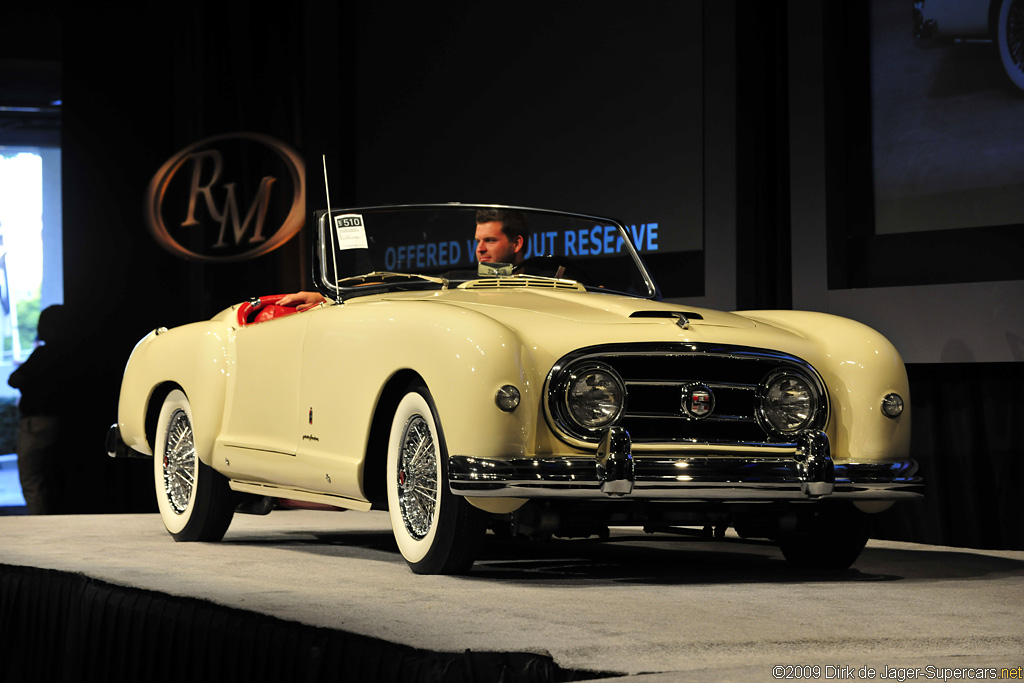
<point x="351" y="234"/>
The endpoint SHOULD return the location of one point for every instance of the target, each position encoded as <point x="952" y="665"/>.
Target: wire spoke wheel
<point x="436" y="531"/>
<point x="417" y="477"/>
<point x="179" y="462"/>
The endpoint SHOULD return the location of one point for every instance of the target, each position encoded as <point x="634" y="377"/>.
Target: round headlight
<point x="595" y="397"/>
<point x="788" y="402"/>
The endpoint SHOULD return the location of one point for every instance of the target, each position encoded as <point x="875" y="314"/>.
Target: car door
<point x="343" y="368"/>
<point x="263" y="421"/>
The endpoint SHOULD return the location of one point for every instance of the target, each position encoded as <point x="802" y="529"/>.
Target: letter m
<point x="258" y="208"/>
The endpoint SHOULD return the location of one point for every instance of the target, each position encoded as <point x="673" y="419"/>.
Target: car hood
<point x="554" y="322"/>
<point x="517" y="306"/>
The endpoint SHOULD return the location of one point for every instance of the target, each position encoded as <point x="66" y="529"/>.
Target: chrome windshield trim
<point x="334" y="291"/>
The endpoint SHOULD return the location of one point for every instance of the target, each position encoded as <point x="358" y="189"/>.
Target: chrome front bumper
<point x="808" y="474"/>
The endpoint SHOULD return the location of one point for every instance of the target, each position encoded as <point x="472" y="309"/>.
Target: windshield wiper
<point x="380" y="277"/>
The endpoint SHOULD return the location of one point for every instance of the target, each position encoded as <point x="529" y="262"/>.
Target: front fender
<point x="356" y="351"/>
<point x="859" y="367"/>
<point x="465" y="357"/>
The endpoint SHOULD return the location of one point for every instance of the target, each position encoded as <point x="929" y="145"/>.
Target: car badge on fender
<point x="227" y="198"/>
<point x="698" y="401"/>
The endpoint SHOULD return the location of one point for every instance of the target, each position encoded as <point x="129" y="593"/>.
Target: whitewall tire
<point x="436" y="531"/>
<point x="195" y="501"/>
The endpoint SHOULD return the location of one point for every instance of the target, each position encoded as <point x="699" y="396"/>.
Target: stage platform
<point x="322" y="596"/>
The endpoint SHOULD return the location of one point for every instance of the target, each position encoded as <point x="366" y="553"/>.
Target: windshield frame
<point x="323" y="249"/>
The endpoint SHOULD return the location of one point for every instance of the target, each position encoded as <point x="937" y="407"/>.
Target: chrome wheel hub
<point x="417" y="477"/>
<point x="179" y="462"/>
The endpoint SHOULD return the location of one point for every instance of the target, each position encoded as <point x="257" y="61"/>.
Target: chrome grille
<point x="655" y="375"/>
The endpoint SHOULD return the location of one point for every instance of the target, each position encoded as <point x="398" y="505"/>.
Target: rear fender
<point x="198" y="358"/>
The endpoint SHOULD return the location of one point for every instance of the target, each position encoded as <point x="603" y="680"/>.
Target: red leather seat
<point x="273" y="311"/>
<point x="263" y="309"/>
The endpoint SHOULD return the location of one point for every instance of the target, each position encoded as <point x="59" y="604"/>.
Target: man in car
<point x="501" y="236"/>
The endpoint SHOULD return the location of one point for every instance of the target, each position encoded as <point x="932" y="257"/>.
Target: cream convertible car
<point x="553" y="399"/>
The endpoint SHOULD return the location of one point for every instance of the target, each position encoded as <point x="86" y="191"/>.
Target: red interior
<point x="250" y="313"/>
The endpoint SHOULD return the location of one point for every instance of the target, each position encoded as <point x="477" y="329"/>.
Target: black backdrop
<point x="141" y="83"/>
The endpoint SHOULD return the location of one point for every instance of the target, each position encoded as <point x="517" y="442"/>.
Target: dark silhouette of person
<point x="42" y="382"/>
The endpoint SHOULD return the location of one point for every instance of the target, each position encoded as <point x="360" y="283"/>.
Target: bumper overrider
<point x="807" y="474"/>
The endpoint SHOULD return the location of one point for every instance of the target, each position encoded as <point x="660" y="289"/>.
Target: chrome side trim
<point x="265" y="489"/>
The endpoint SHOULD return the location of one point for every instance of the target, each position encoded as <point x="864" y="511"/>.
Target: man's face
<point x="494" y="246"/>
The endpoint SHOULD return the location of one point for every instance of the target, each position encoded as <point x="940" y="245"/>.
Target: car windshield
<point x="430" y="246"/>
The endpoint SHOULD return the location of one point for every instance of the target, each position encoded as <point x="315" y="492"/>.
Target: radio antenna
<point x="330" y="229"/>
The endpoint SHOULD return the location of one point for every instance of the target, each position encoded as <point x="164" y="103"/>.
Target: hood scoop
<point x="682" y="318"/>
<point x="522" y="283"/>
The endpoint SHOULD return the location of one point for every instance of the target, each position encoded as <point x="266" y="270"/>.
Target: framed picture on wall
<point x="926" y="184"/>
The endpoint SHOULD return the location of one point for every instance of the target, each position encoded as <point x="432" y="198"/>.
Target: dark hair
<point x="51" y="323"/>
<point x="513" y="223"/>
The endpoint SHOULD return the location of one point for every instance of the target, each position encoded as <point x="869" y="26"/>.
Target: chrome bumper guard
<point x="807" y="474"/>
<point x="117" y="448"/>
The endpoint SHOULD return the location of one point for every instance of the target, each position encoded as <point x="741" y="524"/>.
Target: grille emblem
<point x="698" y="401"/>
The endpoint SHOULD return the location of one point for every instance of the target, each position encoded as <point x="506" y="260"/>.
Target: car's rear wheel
<point x="1010" y="38"/>
<point x="830" y="537"/>
<point x="437" y="532"/>
<point x="195" y="501"/>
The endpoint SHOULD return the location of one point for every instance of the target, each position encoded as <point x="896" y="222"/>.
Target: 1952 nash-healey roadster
<point x="552" y="397"/>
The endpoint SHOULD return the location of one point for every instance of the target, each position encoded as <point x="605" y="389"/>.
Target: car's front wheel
<point x="830" y="537"/>
<point x="1010" y="38"/>
<point x="195" y="501"/>
<point x="437" y="532"/>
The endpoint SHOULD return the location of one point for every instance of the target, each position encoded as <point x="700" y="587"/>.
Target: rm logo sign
<point x="227" y="198"/>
